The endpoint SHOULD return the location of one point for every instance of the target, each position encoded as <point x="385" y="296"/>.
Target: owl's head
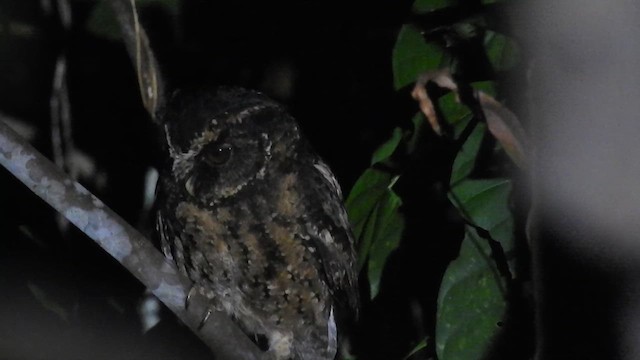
<point x="219" y="141"/>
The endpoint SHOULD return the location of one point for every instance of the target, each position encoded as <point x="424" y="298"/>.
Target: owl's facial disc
<point x="221" y="142"/>
<point x="227" y="164"/>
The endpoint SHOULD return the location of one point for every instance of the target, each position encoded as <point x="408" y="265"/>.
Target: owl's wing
<point x="171" y="248"/>
<point x="165" y="233"/>
<point x="333" y="237"/>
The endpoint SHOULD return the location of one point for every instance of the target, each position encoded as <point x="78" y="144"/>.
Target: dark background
<point x="63" y="297"/>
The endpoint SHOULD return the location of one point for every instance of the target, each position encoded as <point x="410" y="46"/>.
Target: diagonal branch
<point x="123" y="242"/>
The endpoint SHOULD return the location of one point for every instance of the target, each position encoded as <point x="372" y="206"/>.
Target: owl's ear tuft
<point x="170" y="143"/>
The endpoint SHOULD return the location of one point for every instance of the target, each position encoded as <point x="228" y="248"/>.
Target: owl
<point x="255" y="219"/>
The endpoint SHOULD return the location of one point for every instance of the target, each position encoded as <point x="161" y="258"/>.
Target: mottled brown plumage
<point x="255" y="219"/>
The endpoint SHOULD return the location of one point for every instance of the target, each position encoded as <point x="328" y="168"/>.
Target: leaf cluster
<point x="476" y="289"/>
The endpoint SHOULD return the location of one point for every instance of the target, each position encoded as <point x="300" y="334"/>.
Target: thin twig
<point x="150" y="80"/>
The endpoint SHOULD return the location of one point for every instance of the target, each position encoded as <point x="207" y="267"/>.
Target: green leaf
<point x="384" y="237"/>
<point x="485" y="203"/>
<point x="364" y="196"/>
<point x="366" y="238"/>
<point x="501" y="50"/>
<point x="421" y="345"/>
<point x="419" y="122"/>
<point x="471" y="302"/>
<point x="412" y="56"/>
<point x="387" y="149"/>
<point x="472" y="295"/>
<point x="102" y="21"/>
<point x="373" y="210"/>
<point x="423" y="6"/>
<point x="454" y="113"/>
<point x="465" y="160"/>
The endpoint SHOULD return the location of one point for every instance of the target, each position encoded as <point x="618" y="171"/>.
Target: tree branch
<point x="123" y="242"/>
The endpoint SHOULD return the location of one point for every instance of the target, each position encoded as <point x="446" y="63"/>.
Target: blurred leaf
<point x="506" y="128"/>
<point x="48" y="302"/>
<point x="412" y="56"/>
<point x="501" y="50"/>
<point x="471" y="302"/>
<point x="102" y="21"/>
<point x="386" y="149"/>
<point x="423" y="6"/>
<point x="488" y="87"/>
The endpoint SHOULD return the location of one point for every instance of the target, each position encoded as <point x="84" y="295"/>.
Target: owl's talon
<point x="205" y="318"/>
<point x="187" y="300"/>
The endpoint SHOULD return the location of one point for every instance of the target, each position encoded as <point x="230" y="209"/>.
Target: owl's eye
<point x="218" y="154"/>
